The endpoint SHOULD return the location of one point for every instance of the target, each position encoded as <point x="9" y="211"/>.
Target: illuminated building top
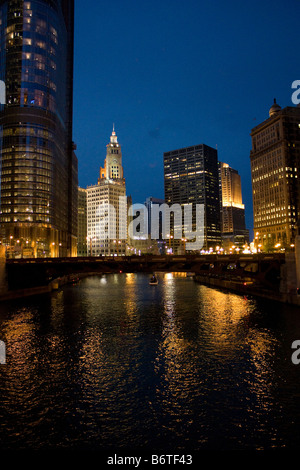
<point x="113" y="169"/>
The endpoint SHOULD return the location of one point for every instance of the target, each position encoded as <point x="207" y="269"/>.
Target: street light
<point x="117" y="242"/>
<point x="170" y="237"/>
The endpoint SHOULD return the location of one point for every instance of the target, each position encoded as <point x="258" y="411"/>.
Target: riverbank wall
<point x="52" y="286"/>
<point x="248" y="288"/>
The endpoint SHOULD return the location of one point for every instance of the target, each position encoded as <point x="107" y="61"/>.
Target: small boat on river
<point x="153" y="281"/>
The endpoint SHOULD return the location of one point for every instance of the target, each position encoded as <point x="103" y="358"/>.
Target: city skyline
<point x="162" y="74"/>
<point x="149" y="228"/>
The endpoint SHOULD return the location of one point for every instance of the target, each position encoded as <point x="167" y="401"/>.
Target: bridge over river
<point x="271" y="275"/>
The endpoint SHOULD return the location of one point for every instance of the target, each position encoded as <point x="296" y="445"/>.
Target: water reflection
<point x="113" y="362"/>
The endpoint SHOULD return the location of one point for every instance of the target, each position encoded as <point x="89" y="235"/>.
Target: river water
<point x="113" y="363"/>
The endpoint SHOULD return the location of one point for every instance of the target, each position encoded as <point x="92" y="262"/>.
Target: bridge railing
<point x="153" y="258"/>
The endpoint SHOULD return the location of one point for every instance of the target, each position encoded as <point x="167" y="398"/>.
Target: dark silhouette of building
<point x="39" y="178"/>
<point x="150" y="203"/>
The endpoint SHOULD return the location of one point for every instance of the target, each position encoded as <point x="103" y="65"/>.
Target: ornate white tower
<point x="113" y="169"/>
<point x="107" y="206"/>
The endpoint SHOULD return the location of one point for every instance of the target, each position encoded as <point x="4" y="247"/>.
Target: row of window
<point x="30" y="130"/>
<point x="21" y="218"/>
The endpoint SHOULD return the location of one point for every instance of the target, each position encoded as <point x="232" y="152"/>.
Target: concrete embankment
<point x="247" y="288"/>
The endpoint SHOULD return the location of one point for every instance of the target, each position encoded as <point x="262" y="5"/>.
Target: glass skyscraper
<point x="191" y="177"/>
<point x="39" y="179"/>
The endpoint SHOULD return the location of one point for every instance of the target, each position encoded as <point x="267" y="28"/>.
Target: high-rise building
<point x="139" y="238"/>
<point x="233" y="227"/>
<point x="159" y="244"/>
<point x="150" y="202"/>
<point x="191" y="176"/>
<point x="275" y="158"/>
<point x="82" y="223"/>
<point x="107" y="206"/>
<point x="38" y="164"/>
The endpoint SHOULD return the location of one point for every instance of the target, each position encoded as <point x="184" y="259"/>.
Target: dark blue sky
<point x="175" y="73"/>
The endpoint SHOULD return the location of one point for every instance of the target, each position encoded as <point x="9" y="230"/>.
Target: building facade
<point x="191" y="177"/>
<point x="233" y="226"/>
<point x="141" y="242"/>
<point x="275" y="158"/>
<point x="107" y="206"/>
<point x="38" y="214"/>
<point x="150" y="202"/>
<point x="157" y="246"/>
<point x="82" y="223"/>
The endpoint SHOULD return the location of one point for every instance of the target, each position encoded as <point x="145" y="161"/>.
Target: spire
<point x="113" y="138"/>
<point x="275" y="108"/>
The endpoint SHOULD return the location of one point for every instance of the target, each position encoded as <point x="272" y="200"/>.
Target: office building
<point x="233" y="227"/>
<point x="150" y="202"/>
<point x="156" y="246"/>
<point x="107" y="206"/>
<point x="82" y="223"/>
<point x="191" y="176"/>
<point x="141" y="242"/>
<point x="38" y="214"/>
<point x="275" y="157"/>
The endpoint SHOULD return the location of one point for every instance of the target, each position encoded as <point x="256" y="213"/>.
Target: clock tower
<point x="113" y="169"/>
<point x="107" y="206"/>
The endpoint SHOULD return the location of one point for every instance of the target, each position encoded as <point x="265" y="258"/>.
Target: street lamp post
<point x="18" y="242"/>
<point x="170" y="238"/>
<point x="10" y="246"/>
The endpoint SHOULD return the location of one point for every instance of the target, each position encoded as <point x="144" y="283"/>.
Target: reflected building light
<point x="262" y="355"/>
<point x="130" y="278"/>
<point x="222" y="314"/>
<point x="169" y="276"/>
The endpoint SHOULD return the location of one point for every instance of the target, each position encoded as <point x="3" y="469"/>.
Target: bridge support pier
<point x="289" y="274"/>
